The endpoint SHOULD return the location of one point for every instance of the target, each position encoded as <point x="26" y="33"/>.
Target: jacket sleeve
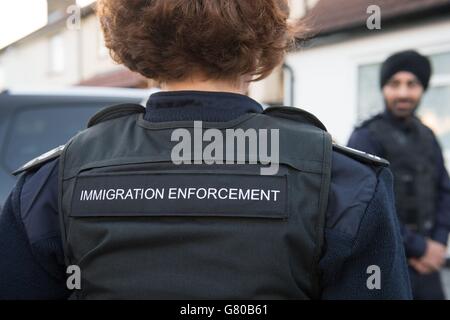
<point x="442" y="223"/>
<point x="378" y="244"/>
<point x="23" y="271"/>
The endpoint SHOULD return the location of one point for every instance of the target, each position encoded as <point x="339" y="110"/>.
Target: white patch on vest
<point x="180" y="194"/>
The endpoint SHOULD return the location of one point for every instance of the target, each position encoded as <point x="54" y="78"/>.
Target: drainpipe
<point x="289" y="85"/>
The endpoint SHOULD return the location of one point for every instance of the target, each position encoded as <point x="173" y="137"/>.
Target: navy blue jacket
<point x="415" y="244"/>
<point x="361" y="228"/>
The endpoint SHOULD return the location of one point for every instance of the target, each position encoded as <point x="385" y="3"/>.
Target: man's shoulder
<point x="425" y="127"/>
<point x="364" y="137"/>
<point x="366" y="124"/>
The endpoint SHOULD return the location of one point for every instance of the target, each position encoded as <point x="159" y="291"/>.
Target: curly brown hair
<point x="167" y="40"/>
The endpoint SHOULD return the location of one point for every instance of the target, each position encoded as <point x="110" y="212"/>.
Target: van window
<point x="40" y="129"/>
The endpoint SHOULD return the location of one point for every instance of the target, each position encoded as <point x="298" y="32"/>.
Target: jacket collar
<point x="205" y="106"/>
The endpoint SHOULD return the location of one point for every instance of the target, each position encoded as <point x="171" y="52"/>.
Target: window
<point x="38" y="130"/>
<point x="441" y="64"/>
<point x="434" y="109"/>
<point x="370" y="99"/>
<point x="57" y="55"/>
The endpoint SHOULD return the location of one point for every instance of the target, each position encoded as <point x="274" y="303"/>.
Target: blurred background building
<point x="57" y="55"/>
<point x="334" y="74"/>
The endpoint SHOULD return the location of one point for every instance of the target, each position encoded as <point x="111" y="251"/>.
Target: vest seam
<point x="322" y="207"/>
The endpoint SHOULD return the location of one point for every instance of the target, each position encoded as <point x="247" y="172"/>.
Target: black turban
<point x="410" y="61"/>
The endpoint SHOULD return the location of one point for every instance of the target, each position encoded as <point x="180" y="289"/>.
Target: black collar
<point x="198" y="105"/>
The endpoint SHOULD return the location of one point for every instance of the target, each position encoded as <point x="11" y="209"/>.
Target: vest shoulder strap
<point x="361" y="156"/>
<point x="295" y="114"/>
<point x="40" y="161"/>
<point x="115" y="112"/>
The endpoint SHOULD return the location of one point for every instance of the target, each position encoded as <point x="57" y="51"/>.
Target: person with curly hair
<point x="136" y="224"/>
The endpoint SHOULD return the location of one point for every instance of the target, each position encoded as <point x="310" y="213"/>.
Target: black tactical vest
<point x="141" y="227"/>
<point x="413" y="163"/>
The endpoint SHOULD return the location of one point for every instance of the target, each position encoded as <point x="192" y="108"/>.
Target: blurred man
<point x="422" y="185"/>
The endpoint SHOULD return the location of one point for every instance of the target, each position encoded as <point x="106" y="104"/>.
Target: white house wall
<point x="93" y="62"/>
<point x="26" y="64"/>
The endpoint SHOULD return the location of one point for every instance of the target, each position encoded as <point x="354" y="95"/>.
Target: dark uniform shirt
<point x="361" y="227"/>
<point x="415" y="244"/>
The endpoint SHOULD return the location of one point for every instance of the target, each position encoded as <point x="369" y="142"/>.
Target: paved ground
<point x="446" y="280"/>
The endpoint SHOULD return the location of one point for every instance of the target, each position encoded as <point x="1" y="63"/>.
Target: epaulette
<point x="361" y="156"/>
<point x="39" y="161"/>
